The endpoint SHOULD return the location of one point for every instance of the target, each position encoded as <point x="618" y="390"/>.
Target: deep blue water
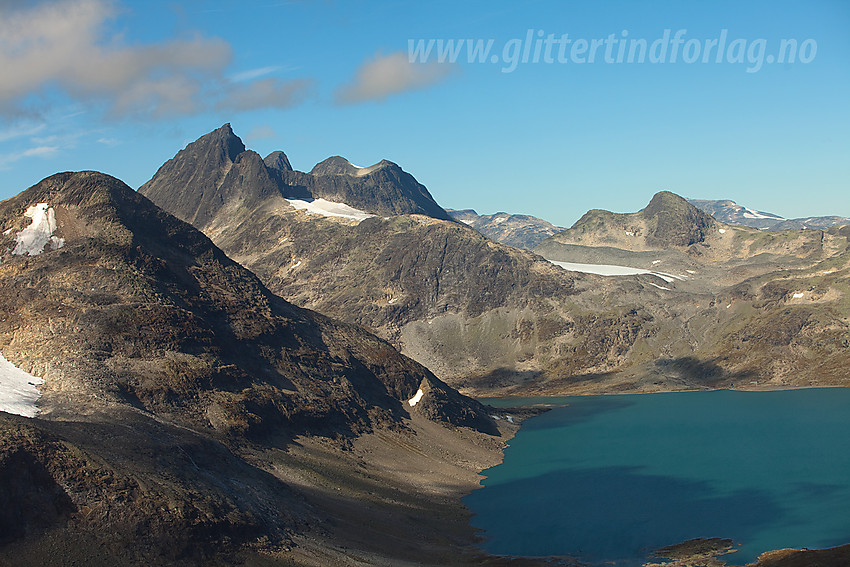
<point x="612" y="478"/>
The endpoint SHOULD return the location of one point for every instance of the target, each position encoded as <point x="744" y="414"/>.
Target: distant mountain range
<point x="493" y="319"/>
<point x="524" y="231"/>
<point x="731" y="212"/>
<point x="520" y="231"/>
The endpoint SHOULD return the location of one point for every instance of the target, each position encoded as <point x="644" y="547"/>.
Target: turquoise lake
<point x="609" y="479"/>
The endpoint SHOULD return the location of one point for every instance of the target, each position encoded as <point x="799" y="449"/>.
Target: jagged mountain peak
<point x="216" y="173"/>
<point x="277" y="160"/>
<point x="222" y="140"/>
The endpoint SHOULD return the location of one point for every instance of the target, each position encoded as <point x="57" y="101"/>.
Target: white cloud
<point x="65" y="44"/>
<point x="386" y="75"/>
<point x="265" y="93"/>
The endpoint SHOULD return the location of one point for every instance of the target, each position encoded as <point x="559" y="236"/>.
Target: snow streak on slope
<point x="18" y="392"/>
<point x="329" y="209"/>
<point x="39" y="233"/>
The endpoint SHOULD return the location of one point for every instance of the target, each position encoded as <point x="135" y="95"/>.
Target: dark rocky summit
<point x="277" y="160"/>
<point x="220" y="174"/>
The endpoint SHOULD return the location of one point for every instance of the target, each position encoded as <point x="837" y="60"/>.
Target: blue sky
<point x="120" y="87"/>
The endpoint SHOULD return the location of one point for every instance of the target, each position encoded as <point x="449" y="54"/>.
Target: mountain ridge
<point x="216" y="171"/>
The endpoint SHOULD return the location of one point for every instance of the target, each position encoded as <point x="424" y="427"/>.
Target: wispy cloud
<point x="254" y="73"/>
<point x="20" y="130"/>
<point x="37" y="151"/>
<point x="386" y="75"/>
<point x="65" y="44"/>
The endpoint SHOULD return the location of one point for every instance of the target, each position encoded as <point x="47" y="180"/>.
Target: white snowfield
<point x="798" y="295"/>
<point x="611" y="270"/>
<point x="329" y="209"/>
<point x="751" y="214"/>
<point x="32" y="240"/>
<point x="18" y="392"/>
<point x="415" y="399"/>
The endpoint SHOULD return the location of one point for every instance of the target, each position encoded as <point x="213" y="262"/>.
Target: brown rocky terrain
<point x="190" y="416"/>
<point x="724" y="308"/>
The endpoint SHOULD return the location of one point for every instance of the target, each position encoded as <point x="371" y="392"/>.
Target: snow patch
<point x="656" y="262"/>
<point x="721" y="230"/>
<point x="8" y="231"/>
<point x="392" y="301"/>
<point x="18" y="392"/>
<point x="415" y="399"/>
<point x="629" y="233"/>
<point x="466" y="222"/>
<point x="329" y="209"/>
<point x="497" y="220"/>
<point x="298" y="263"/>
<point x="690" y="271"/>
<point x="32" y="240"/>
<point x="659" y="286"/>
<point x="510" y="418"/>
<point x="798" y="295"/>
<point x="612" y="270"/>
